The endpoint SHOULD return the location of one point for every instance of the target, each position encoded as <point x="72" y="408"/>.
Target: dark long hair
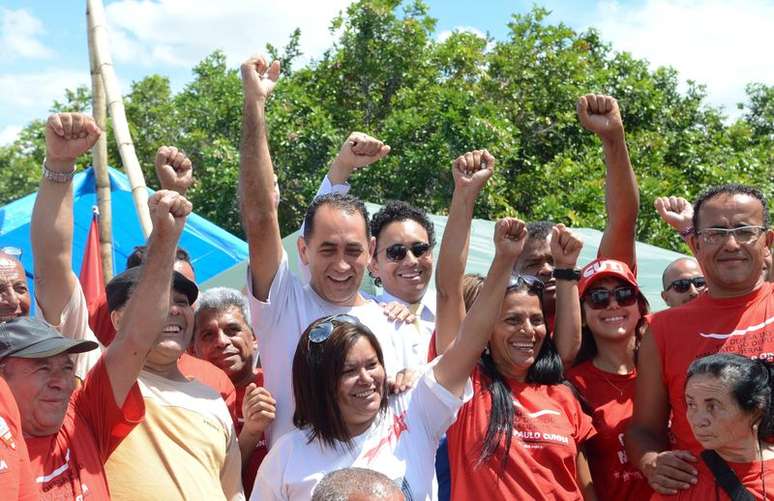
<point x="547" y="369"/>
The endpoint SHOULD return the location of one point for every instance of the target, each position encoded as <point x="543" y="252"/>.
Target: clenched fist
<point x="174" y="169"/>
<point x="168" y="212"/>
<point x="258" y="409"/>
<point x="359" y="150"/>
<point x="600" y="114"/>
<point x="509" y="237"/>
<point x="259" y="78"/>
<point x="472" y="170"/>
<point x="565" y="247"/>
<point x="68" y="135"/>
<point x="677" y="212"/>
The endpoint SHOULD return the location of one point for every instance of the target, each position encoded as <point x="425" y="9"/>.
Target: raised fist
<point x="258" y="409"/>
<point x="472" y="170"/>
<point x="68" y="135"/>
<point x="600" y="115"/>
<point x="509" y="237"/>
<point x="174" y="169"/>
<point x="565" y="246"/>
<point x="259" y="78"/>
<point x="168" y="211"/>
<point x="677" y="212"/>
<point x="359" y="150"/>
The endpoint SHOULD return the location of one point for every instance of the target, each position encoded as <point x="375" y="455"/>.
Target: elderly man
<point x="14" y="292"/>
<point x="730" y="240"/>
<point x="357" y="484"/>
<point x="682" y="280"/>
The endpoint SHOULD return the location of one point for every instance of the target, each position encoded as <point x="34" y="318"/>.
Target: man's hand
<point x="677" y="212"/>
<point x="258" y="409"/>
<point x="174" y="169"/>
<point x="669" y="471"/>
<point x="399" y="312"/>
<point x="472" y="170"/>
<point x="600" y="114"/>
<point x="68" y="135"/>
<point x="565" y="246"/>
<point x="404" y="380"/>
<point x="509" y="237"/>
<point x="168" y="211"/>
<point x="259" y="78"/>
<point x="358" y="151"/>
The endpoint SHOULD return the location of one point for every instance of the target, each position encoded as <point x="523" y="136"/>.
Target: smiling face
<point x="337" y="254"/>
<point x="614" y="322"/>
<point x="224" y="339"/>
<point x="408" y="278"/>
<point x="715" y="417"/>
<point x="42" y="388"/>
<point x="360" y="386"/>
<point x="730" y="267"/>
<point x="14" y="293"/>
<point x="518" y="335"/>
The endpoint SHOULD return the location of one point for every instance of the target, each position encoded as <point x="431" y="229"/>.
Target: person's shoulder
<point x="578" y="374"/>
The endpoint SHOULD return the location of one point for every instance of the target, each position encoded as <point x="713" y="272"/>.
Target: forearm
<point x="248" y="441"/>
<point x="643" y="445"/>
<point x="622" y="194"/>
<point x="567" y="328"/>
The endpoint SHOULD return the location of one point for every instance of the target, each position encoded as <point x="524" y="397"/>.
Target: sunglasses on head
<point x="397" y="252"/>
<point x="322" y="331"/>
<point x="599" y="299"/>
<point x="683" y="284"/>
<point x="531" y="282"/>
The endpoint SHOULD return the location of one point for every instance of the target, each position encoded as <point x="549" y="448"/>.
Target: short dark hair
<point x="539" y="230"/>
<point x="316" y="371"/>
<point x="346" y="203"/>
<point x="137" y="257"/>
<point x="339" y="485"/>
<point x="397" y="210"/>
<point x="750" y="381"/>
<point x="729" y="189"/>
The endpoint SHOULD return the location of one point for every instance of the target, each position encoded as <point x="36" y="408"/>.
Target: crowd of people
<point x="540" y="380"/>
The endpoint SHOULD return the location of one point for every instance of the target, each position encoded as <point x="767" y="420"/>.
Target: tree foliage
<point x="388" y="75"/>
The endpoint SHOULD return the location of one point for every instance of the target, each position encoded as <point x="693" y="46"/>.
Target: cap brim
<point x="606" y="274"/>
<point x="181" y="284"/>
<point x="54" y="346"/>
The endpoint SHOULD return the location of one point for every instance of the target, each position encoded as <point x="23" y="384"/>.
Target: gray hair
<point x="339" y="485"/>
<point x="222" y="298"/>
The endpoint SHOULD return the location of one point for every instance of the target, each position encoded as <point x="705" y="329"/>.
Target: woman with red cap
<point x="604" y="372"/>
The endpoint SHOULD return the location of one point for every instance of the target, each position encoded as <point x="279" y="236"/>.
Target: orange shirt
<point x="707" y="325"/>
<point x="706" y="489"/>
<point x="611" y="396"/>
<point x="549" y="429"/>
<point x="71" y="463"/>
<point x="250" y="469"/>
<point x="16" y="480"/>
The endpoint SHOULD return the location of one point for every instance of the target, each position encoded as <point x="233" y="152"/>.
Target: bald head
<point x="14" y="292"/>
<point x="356" y="484"/>
<point x="680" y="281"/>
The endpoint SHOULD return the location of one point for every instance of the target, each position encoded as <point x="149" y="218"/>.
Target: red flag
<point x="92" y="281"/>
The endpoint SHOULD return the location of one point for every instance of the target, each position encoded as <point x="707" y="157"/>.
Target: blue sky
<point x="43" y="42"/>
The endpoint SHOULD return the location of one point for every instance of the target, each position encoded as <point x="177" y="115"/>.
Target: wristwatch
<point x="567" y="274"/>
<point x="57" y="177"/>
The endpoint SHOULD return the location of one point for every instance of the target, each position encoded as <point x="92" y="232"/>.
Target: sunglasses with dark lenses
<point x="599" y="299"/>
<point x="397" y="252"/>
<point x="531" y="282"/>
<point x="324" y="327"/>
<point x="683" y="284"/>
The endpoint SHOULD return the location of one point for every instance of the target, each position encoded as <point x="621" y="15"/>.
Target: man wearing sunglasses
<point x="730" y="239"/>
<point x="683" y="280"/>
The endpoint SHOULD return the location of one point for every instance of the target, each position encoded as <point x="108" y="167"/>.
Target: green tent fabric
<point x="651" y="260"/>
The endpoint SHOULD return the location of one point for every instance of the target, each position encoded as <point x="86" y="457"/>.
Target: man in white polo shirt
<point x="336" y="246"/>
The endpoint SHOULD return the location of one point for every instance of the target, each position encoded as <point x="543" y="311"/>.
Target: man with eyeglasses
<point x="730" y="239"/>
<point x="683" y="280"/>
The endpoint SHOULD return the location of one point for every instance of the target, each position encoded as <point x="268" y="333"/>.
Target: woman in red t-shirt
<point x="604" y="372"/>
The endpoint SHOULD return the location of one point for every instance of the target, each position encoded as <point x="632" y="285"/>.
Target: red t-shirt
<point x="707" y="325"/>
<point x="191" y="367"/>
<point x="71" y="463"/>
<point x="612" y="398"/>
<point x="749" y="474"/>
<point x="16" y="480"/>
<point x="549" y="429"/>
<point x="250" y="469"/>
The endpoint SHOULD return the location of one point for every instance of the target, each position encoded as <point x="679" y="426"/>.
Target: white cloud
<point x="25" y="94"/>
<point x="444" y="35"/>
<point x="19" y="32"/>
<point x="722" y="44"/>
<point x="9" y="134"/>
<point x="179" y="33"/>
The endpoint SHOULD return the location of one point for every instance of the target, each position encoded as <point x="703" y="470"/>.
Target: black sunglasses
<point x="322" y="331"/>
<point x="599" y="299"/>
<point x="531" y="282"/>
<point x="397" y="252"/>
<point x="683" y="284"/>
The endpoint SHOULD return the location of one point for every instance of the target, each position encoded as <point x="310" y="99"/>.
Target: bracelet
<point x="57" y="177"/>
<point x="572" y="274"/>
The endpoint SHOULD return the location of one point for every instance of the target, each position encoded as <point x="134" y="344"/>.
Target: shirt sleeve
<point x="437" y="406"/>
<point x="584" y="428"/>
<point x="268" y="480"/>
<point x="231" y="473"/>
<point x="265" y="314"/>
<point x="96" y="404"/>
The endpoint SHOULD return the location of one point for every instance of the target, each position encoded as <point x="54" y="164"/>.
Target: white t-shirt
<point x="401" y="444"/>
<point x="418" y="348"/>
<point x="279" y="323"/>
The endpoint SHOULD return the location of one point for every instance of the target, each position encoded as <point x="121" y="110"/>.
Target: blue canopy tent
<point x="212" y="249"/>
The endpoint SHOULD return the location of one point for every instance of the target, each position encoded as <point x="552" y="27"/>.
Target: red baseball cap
<point x="601" y="268"/>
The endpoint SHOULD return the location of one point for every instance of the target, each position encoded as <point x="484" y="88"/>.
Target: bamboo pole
<point x="100" y="160"/>
<point x="98" y="28"/>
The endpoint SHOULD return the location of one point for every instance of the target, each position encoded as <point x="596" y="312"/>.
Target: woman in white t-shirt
<point x="344" y="416"/>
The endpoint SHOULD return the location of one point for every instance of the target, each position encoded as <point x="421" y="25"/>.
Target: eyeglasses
<point x="683" y="284"/>
<point x="324" y="327"/>
<point x="742" y="234"/>
<point x="397" y="252"/>
<point x="533" y="283"/>
<point x="599" y="299"/>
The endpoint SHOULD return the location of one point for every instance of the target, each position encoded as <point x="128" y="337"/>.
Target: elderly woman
<point x="344" y="416"/>
<point x="731" y="413"/>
